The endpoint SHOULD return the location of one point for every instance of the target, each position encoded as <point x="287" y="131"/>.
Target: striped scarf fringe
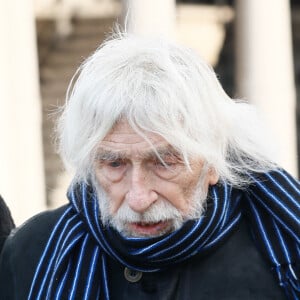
<point x="271" y="204"/>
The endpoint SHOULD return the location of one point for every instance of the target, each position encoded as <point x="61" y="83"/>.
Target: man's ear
<point x="213" y="177"/>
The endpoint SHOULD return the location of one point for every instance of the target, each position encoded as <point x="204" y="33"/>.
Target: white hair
<point x="163" y="88"/>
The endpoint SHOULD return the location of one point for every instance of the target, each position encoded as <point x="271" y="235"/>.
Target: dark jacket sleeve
<point x="6" y="222"/>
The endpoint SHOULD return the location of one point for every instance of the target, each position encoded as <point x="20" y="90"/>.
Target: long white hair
<point x="163" y="88"/>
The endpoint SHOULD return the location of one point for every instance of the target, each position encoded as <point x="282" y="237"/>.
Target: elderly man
<point x="175" y="194"/>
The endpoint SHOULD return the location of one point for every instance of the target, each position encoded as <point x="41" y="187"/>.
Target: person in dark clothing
<point x="175" y="194"/>
<point x="6" y="222"/>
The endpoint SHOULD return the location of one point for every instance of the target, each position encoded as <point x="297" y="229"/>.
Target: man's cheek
<point x="116" y="198"/>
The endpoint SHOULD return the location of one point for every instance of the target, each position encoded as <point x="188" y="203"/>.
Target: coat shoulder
<point x="34" y="231"/>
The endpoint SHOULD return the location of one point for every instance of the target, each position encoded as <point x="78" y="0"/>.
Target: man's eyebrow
<point x="162" y="152"/>
<point x="166" y="151"/>
<point x="107" y="155"/>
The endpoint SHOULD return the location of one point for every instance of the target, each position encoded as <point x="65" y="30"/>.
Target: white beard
<point x="161" y="210"/>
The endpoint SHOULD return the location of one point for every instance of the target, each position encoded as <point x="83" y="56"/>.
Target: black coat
<point x="6" y="222"/>
<point x="234" y="271"/>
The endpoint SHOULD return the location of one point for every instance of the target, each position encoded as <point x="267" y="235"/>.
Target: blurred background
<point x="253" y="45"/>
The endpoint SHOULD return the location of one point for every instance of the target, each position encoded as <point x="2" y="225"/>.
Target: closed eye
<point x="164" y="164"/>
<point x="167" y="164"/>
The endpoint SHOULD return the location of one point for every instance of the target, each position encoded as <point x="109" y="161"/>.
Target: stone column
<point x="264" y="69"/>
<point x="21" y="160"/>
<point x="150" y="17"/>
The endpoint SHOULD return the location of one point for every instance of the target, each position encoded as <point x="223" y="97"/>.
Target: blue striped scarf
<point x="73" y="264"/>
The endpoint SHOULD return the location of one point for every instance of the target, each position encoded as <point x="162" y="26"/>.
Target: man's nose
<point x="140" y="195"/>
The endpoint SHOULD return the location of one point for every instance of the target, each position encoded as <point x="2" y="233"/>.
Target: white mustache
<point x="159" y="211"/>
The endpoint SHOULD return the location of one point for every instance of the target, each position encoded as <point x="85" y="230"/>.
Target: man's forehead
<point x="123" y="141"/>
<point x="122" y="132"/>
